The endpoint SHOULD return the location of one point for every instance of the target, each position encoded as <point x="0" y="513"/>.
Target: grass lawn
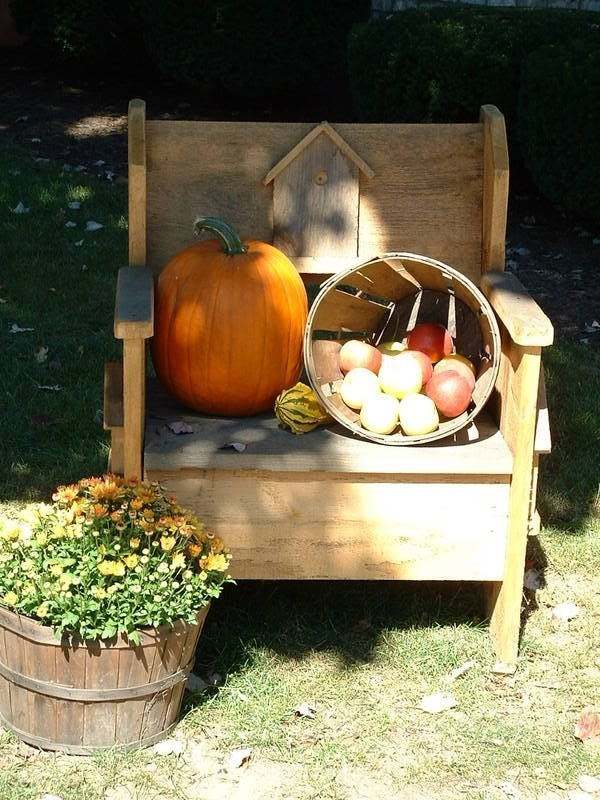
<point x="362" y="654"/>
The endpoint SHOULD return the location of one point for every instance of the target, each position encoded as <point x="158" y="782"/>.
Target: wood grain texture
<point x="523" y="318"/>
<point x="477" y="450"/>
<point x="495" y="188"/>
<point x="315" y="203"/>
<point x="113" y="395"/>
<point x="425" y="196"/>
<point x="134" y="386"/>
<point x="293" y="526"/>
<point x="137" y="182"/>
<point x="134" y="303"/>
<point x="518" y="388"/>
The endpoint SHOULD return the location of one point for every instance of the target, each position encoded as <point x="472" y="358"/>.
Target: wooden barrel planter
<point x="83" y="697"/>
<point x="382" y="300"/>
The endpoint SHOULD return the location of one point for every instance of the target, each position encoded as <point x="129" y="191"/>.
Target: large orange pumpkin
<point x="230" y="318"/>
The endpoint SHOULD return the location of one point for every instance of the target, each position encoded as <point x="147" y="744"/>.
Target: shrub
<point x="92" y="35"/>
<point x="258" y="50"/>
<point x="109" y="557"/>
<point x="559" y="124"/>
<point x="442" y="64"/>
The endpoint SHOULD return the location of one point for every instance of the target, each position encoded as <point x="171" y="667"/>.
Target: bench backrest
<point x="437" y="190"/>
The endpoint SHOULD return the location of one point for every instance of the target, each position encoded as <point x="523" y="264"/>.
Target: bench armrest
<point x="524" y="320"/>
<point x="134" y="303"/>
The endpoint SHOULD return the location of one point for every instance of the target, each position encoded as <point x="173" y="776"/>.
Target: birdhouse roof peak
<point x="341" y="144"/>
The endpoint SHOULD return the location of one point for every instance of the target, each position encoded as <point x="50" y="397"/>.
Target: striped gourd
<point x="299" y="409"/>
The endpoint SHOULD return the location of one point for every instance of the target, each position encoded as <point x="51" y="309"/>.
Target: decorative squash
<point x="299" y="409"/>
<point x="229" y="321"/>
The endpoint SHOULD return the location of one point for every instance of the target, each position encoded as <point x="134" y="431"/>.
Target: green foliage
<point x="442" y="64"/>
<point x="108" y="557"/>
<point x="101" y="36"/>
<point x="259" y="50"/>
<point x="559" y="124"/>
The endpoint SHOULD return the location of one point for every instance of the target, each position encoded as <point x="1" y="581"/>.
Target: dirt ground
<point x="556" y="258"/>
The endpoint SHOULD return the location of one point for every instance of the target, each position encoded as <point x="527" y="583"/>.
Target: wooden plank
<point x="291" y="526"/>
<point x="495" y="188"/>
<point x="524" y="319"/>
<point x="323" y="265"/>
<point x="543" y="437"/>
<point x="134" y="304"/>
<point x="518" y="388"/>
<point x="99" y="723"/>
<point x="315" y="204"/>
<point x="477" y="450"/>
<point x="113" y="395"/>
<point x="137" y="183"/>
<point x="425" y="197"/>
<point x="134" y="377"/>
<point x="323" y="127"/>
<point x="115" y="456"/>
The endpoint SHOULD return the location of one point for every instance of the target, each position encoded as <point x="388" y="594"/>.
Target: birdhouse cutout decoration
<point x="316" y="196"/>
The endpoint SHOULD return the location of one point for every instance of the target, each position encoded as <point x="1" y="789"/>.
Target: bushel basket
<point x="382" y="300"/>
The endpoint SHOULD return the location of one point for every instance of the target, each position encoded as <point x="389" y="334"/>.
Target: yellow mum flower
<point x="56" y="570"/>
<point x="65" y="494"/>
<point x="162" y="567"/>
<point x="11" y="530"/>
<point x="41" y="538"/>
<point x="134" y="543"/>
<point x="178" y="561"/>
<point x="42" y="610"/>
<point x="131" y="561"/>
<point x="9" y="599"/>
<point x="167" y="543"/>
<point x="98" y="592"/>
<point x="108" y="567"/>
<point x="119" y="569"/>
<point x="216" y="562"/>
<point x="114" y="588"/>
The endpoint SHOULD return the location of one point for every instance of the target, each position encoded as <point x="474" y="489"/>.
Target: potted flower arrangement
<point x="103" y="595"/>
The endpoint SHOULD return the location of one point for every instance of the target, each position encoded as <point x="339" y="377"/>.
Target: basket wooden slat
<point x="383" y="299"/>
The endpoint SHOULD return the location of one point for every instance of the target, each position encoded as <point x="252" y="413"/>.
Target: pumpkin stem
<point x="232" y="244"/>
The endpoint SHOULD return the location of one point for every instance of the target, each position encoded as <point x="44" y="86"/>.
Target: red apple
<point x="422" y="360"/>
<point x="459" y="364"/>
<point x="359" y="354"/>
<point x="450" y="392"/>
<point x="433" y="340"/>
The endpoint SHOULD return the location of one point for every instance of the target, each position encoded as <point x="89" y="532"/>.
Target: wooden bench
<point x="329" y="505"/>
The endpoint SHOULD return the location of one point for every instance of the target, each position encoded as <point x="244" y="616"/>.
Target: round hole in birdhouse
<point x="321" y="177"/>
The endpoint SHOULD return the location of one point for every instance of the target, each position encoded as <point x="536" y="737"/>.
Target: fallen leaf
<point x="119" y="793"/>
<point x="588" y="725"/>
<point x="79" y="168"/>
<point x="79" y="243"/>
<point x="458" y="672"/>
<point x="577" y="794"/>
<point x="90" y="225"/>
<point x="15" y="172"/>
<point x="239" y="447"/>
<point x="179" y="427"/>
<point x="20" y="208"/>
<point x="109" y="175"/>
<point x="35" y="139"/>
<point x="305" y="710"/>
<point x="238" y="758"/>
<point x="596" y="242"/>
<point x="169" y="747"/>
<point x="438" y="702"/>
<point x="41" y="354"/>
<point x="84" y="267"/>
<point x="70" y="224"/>
<point x="214" y="679"/>
<point x="75" y="205"/>
<point x="40" y="160"/>
<point x="3" y="300"/>
<point x="195" y="683"/>
<point x="566" y="611"/>
<point x="99" y="163"/>
<point x="14" y="328"/>
<point x="521" y="251"/>
<point x="54" y="388"/>
<point x="589" y="783"/>
<point x="532" y="580"/>
<point x="509" y="789"/>
<point x="24" y="118"/>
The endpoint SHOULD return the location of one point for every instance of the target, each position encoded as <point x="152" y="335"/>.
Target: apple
<point x="400" y="376"/>
<point x="450" y="392"/>
<point x="391" y="348"/>
<point x="458" y="363"/>
<point x="359" y="354"/>
<point x="433" y="340"/>
<point x="357" y="385"/>
<point x="379" y="413"/>
<point x="418" y="415"/>
<point x="422" y="360"/>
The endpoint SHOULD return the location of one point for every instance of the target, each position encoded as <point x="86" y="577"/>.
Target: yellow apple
<point x="418" y="415"/>
<point x="379" y="413"/>
<point x="357" y="385"/>
<point x="400" y="377"/>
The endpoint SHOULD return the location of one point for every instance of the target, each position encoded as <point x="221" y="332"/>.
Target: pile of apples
<point x="409" y="385"/>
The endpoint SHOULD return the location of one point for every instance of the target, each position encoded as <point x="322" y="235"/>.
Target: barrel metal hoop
<point x="94" y="695"/>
